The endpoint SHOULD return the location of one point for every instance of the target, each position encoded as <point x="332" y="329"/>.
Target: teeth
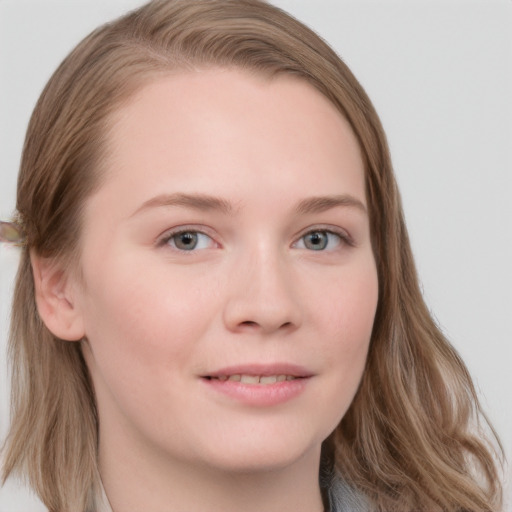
<point x="256" y="379"/>
<point x="250" y="379"/>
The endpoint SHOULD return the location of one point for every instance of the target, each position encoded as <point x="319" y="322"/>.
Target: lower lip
<point x="259" y="395"/>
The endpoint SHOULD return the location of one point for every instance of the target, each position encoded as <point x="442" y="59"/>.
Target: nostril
<point x="252" y="324"/>
<point x="249" y="323"/>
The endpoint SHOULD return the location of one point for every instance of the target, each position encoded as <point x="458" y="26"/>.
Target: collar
<point x="341" y="497"/>
<point x="101" y="502"/>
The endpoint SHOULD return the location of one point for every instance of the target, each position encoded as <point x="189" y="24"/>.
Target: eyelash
<point x="170" y="235"/>
<point x="343" y="238"/>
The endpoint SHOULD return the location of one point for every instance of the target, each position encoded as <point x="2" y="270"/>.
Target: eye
<point x="320" y="240"/>
<point x="189" y="240"/>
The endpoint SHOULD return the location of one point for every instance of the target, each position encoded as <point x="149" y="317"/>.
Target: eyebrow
<point x="203" y="202"/>
<point x="199" y="202"/>
<point x="323" y="203"/>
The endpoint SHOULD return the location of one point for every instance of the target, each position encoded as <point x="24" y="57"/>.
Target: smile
<point x="255" y="379"/>
<point x="259" y="385"/>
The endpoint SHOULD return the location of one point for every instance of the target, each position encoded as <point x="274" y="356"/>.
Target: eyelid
<point x="163" y="239"/>
<point x="335" y="230"/>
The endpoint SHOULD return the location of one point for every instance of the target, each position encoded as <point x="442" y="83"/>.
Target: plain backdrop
<point x="440" y="76"/>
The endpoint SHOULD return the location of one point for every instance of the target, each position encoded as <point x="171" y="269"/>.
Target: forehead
<point x="209" y="129"/>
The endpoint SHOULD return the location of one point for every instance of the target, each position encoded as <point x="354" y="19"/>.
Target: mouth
<point x="259" y="385"/>
<point x="262" y="380"/>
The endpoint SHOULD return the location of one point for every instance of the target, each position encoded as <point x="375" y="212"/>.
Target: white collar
<point x="101" y="502"/>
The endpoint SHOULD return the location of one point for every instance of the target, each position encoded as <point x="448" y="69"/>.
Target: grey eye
<point x="319" y="240"/>
<point x="189" y="241"/>
<point x="316" y="240"/>
<point x="186" y="241"/>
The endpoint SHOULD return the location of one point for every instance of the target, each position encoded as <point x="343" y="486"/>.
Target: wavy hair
<point x="413" y="437"/>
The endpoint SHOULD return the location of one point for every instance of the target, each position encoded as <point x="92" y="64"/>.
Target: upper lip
<point x="262" y="370"/>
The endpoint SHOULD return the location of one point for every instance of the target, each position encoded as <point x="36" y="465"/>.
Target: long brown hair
<point x="411" y="439"/>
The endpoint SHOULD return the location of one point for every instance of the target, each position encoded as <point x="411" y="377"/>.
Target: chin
<point x="247" y="455"/>
<point x="245" y="464"/>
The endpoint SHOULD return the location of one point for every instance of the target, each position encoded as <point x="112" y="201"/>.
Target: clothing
<point x="102" y="504"/>
<point x="341" y="498"/>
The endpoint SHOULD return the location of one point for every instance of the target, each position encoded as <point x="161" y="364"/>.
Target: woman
<point x="217" y="301"/>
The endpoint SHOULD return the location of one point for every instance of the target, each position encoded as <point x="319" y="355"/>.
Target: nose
<point x="262" y="296"/>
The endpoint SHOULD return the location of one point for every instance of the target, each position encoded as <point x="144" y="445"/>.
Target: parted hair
<point x="414" y="438"/>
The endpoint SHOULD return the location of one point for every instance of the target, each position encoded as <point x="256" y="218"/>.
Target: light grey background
<point x="440" y="75"/>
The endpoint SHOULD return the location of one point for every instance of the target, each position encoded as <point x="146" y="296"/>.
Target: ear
<point x="55" y="291"/>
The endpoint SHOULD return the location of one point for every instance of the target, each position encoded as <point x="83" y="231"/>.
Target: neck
<point x="140" y="480"/>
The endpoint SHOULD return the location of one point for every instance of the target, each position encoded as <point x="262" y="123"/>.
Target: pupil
<point x="316" y="241"/>
<point x="186" y="241"/>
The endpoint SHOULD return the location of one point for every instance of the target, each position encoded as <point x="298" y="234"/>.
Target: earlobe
<point x="56" y="299"/>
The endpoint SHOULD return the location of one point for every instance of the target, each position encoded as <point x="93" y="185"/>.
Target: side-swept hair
<point x="411" y="439"/>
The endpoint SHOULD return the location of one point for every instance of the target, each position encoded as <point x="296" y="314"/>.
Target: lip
<point x="259" y="395"/>
<point x="263" y="370"/>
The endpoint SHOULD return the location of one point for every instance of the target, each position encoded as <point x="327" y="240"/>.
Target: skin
<point x="158" y="319"/>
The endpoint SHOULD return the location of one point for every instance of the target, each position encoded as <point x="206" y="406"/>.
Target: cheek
<point x="347" y="318"/>
<point x="145" y="319"/>
<point x="144" y="333"/>
<point x="349" y="305"/>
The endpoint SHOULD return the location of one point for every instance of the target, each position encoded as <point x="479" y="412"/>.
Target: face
<point x="228" y="281"/>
